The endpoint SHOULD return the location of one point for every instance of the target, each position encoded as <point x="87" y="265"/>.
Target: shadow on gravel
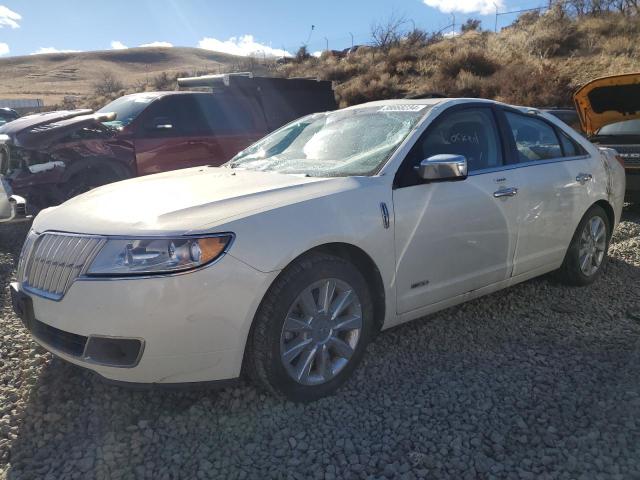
<point x="11" y="239"/>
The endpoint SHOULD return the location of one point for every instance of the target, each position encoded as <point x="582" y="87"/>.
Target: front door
<point x="173" y="133"/>
<point x="458" y="236"/>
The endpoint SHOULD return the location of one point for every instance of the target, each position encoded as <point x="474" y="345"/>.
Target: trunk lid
<point x="608" y="100"/>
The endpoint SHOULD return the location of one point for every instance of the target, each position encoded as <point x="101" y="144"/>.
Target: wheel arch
<point x="353" y="254"/>
<point x="608" y="209"/>
<point x="367" y="267"/>
<point x="114" y="165"/>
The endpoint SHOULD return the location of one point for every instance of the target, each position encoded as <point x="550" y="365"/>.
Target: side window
<point x="535" y="139"/>
<point x="173" y="115"/>
<point x="569" y="146"/>
<point x="225" y="115"/>
<point x="470" y="132"/>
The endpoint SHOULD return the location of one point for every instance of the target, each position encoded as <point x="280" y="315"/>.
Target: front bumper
<point x="191" y="327"/>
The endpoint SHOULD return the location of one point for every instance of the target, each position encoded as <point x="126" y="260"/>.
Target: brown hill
<point x="51" y="77"/>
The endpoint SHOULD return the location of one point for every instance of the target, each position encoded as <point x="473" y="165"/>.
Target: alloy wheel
<point x="321" y="331"/>
<point x="593" y="243"/>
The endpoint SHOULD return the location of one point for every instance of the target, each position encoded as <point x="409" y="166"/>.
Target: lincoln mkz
<point x="286" y="261"/>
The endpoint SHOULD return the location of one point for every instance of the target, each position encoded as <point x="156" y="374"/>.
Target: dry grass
<point x="539" y="60"/>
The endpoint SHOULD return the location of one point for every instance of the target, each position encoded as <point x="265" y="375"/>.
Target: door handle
<point x="583" y="178"/>
<point x="506" y="192"/>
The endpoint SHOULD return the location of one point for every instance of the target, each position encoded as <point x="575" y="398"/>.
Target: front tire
<point x="587" y="253"/>
<point x="86" y="180"/>
<point x="311" y="329"/>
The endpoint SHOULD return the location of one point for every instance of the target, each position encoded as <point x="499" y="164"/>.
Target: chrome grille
<point x="51" y="262"/>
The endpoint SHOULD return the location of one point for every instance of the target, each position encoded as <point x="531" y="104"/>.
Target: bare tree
<point x="387" y="34"/>
<point x="471" y="25"/>
<point x="107" y="85"/>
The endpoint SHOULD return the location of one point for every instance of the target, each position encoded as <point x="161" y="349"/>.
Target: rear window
<point x="535" y="139"/>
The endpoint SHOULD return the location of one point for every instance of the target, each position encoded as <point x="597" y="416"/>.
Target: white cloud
<point x="9" y="18"/>
<point x="483" y="7"/>
<point x="4" y="49"/>
<point x="157" y="44"/>
<point x="118" y="45"/>
<point x="317" y="53"/>
<point x="42" y="50"/>
<point x="450" y="34"/>
<point x="244" y="46"/>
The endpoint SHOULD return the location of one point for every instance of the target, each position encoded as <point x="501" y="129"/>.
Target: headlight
<point x="157" y="255"/>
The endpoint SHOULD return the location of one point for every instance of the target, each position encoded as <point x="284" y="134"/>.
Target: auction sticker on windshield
<point x="402" y="108"/>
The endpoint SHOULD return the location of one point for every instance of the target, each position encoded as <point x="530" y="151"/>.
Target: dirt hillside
<point x="51" y="77"/>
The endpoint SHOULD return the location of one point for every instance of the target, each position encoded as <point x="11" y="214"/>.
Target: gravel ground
<point x="538" y="381"/>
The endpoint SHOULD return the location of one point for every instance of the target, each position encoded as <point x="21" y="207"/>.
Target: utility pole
<point x="453" y="25"/>
<point x="495" y="28"/>
<point x="351" y="39"/>
<point x="327" y="43"/>
<point x="313" y="27"/>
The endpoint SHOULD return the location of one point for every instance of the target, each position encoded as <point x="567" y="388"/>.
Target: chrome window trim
<point x="532" y="163"/>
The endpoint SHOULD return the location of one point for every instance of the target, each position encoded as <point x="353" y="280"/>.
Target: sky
<point x="241" y="27"/>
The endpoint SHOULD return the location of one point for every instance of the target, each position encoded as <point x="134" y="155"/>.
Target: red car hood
<point x="40" y="130"/>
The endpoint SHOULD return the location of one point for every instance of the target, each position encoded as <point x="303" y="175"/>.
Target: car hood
<point x="40" y="130"/>
<point x="608" y="100"/>
<point x="182" y="201"/>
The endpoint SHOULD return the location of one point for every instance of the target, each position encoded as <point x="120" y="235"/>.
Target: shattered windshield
<point x="335" y="144"/>
<point x="126" y="109"/>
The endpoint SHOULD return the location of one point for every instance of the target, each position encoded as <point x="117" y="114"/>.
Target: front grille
<point x="67" y="342"/>
<point x="51" y="262"/>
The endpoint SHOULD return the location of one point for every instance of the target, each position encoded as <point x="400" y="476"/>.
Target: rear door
<point x="556" y="177"/>
<point x="233" y="123"/>
<point x="173" y="133"/>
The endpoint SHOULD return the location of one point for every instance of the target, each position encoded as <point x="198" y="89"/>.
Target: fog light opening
<point x="113" y="352"/>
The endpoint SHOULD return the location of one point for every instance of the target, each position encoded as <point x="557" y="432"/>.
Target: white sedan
<point x="284" y="263"/>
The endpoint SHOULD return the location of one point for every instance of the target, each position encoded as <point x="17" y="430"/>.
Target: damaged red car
<point x="50" y="157"/>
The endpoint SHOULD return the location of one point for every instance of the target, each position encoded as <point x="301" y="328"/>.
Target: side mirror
<point x="443" y="167"/>
<point x="162" y="123"/>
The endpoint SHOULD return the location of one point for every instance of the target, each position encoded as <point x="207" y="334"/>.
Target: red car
<point x="57" y="155"/>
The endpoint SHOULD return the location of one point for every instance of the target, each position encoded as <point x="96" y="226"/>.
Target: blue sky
<point x="235" y="26"/>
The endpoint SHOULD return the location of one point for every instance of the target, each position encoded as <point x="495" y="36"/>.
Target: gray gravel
<point x="538" y="381"/>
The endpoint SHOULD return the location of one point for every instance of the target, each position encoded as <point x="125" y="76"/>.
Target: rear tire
<point x="331" y="335"/>
<point x="587" y="253"/>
